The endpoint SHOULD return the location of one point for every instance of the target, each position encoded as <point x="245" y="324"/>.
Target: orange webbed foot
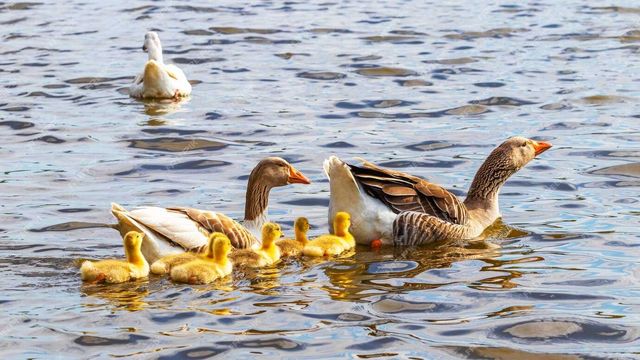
<point x="101" y="278"/>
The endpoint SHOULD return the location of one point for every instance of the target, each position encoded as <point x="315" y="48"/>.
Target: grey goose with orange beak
<point x="390" y="207"/>
<point x="175" y="230"/>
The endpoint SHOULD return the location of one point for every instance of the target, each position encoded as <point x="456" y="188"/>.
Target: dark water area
<point x="423" y="87"/>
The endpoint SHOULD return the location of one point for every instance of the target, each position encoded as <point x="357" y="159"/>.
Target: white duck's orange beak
<point x="296" y="177"/>
<point x="540" y="146"/>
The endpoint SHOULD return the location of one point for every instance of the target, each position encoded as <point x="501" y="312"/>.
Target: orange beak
<point x="296" y="177"/>
<point x="540" y="147"/>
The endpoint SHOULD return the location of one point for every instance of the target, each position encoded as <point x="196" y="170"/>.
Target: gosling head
<point x="302" y="225"/>
<point x="270" y="233"/>
<point x="341" y="223"/>
<point x="133" y="240"/>
<point x="275" y="171"/>
<point x="220" y="244"/>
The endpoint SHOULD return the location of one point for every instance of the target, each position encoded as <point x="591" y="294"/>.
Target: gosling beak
<point x="296" y="177"/>
<point x="144" y="48"/>
<point x="540" y="147"/>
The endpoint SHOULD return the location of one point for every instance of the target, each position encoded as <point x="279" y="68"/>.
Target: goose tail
<point x="125" y="222"/>
<point x="345" y="192"/>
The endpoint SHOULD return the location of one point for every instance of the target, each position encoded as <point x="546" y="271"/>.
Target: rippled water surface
<point x="424" y="87"/>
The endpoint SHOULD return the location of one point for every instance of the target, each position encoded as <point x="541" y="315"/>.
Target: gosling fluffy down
<point x="118" y="271"/>
<point x="165" y="264"/>
<point x="266" y="255"/>
<point x="213" y="265"/>
<point x="293" y="247"/>
<point x="331" y="245"/>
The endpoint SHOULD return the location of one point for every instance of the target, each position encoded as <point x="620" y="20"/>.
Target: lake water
<point x="423" y="87"/>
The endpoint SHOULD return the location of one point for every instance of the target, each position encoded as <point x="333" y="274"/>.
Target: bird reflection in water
<point x="383" y="271"/>
<point x="128" y="296"/>
<point x="264" y="281"/>
<point x="159" y="107"/>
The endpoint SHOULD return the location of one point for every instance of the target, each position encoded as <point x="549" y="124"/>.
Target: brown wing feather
<point x="404" y="192"/>
<point x="210" y="221"/>
<point x="394" y="173"/>
<point x="438" y="201"/>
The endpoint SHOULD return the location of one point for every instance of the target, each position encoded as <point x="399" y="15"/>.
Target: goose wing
<point x="402" y="192"/>
<point x="175" y="72"/>
<point x="174" y="227"/>
<point x="209" y="221"/>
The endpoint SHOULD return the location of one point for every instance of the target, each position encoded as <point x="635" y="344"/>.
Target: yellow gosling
<point x="266" y="255"/>
<point x="331" y="245"/>
<point x="118" y="271"/>
<point x="341" y="225"/>
<point x="293" y="247"/>
<point x="214" y="264"/>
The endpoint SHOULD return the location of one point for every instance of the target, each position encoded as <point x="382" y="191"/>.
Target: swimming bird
<point x="267" y="254"/>
<point x="293" y="247"/>
<point x="118" y="271"/>
<point x="331" y="245"/>
<point x="179" y="229"/>
<point x="397" y="208"/>
<point x="214" y="264"/>
<point x="158" y="80"/>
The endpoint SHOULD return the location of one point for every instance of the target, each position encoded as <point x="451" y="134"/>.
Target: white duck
<point x="178" y="229"/>
<point x="158" y="80"/>
<point x="391" y="207"/>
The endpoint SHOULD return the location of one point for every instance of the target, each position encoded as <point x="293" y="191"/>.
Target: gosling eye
<point x="523" y="144"/>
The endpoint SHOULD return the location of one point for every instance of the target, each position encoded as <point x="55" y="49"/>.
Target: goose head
<point x="152" y="46"/>
<point x="516" y="152"/>
<point x="275" y="171"/>
<point x="504" y="161"/>
<point x="269" y="173"/>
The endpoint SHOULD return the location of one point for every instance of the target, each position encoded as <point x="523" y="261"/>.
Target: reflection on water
<point x="155" y="108"/>
<point x="128" y="296"/>
<point x="427" y="88"/>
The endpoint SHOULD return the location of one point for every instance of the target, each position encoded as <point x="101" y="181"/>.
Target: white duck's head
<point x="152" y="46"/>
